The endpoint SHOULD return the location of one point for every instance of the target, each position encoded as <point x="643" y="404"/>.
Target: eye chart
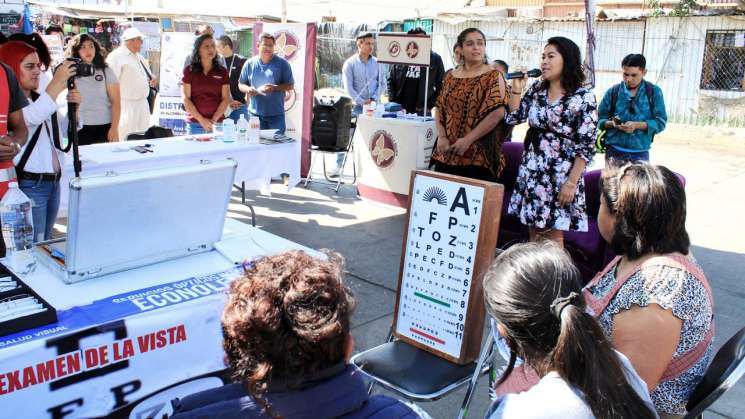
<point x="448" y="245"/>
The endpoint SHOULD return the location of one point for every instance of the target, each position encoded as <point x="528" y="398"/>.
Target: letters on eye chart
<point x="449" y="243"/>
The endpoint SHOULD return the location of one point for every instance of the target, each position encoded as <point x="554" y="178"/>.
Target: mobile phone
<point x="616" y="120"/>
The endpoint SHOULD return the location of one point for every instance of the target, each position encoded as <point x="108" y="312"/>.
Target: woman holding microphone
<point x="549" y="194"/>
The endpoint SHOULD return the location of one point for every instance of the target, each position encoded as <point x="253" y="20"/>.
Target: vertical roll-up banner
<point x="296" y="43"/>
<point x="175" y="47"/>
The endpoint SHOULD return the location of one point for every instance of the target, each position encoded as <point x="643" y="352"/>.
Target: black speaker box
<point x="332" y="117"/>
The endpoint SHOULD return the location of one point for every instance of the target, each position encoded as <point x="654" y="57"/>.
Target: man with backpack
<point x="632" y="113"/>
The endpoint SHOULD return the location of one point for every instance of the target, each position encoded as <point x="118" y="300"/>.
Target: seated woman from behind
<point x="287" y="342"/>
<point x="653" y="301"/>
<point x="533" y="291"/>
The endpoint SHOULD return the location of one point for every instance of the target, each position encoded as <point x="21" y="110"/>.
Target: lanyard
<point x="230" y="67"/>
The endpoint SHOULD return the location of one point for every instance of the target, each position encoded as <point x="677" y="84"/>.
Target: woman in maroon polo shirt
<point x="206" y="87"/>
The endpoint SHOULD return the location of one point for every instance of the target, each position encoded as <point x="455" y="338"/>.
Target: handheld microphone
<point x="521" y="75"/>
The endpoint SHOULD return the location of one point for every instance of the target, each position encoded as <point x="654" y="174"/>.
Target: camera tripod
<point x="72" y="129"/>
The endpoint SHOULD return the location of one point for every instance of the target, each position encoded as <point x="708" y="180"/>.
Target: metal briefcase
<point x="121" y="221"/>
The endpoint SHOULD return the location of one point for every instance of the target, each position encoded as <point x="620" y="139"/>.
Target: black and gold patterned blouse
<point x="465" y="102"/>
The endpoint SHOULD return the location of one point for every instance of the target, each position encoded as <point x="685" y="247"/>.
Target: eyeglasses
<point x="632" y="108"/>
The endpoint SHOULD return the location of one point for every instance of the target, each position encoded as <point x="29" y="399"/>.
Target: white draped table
<point x="257" y="163"/>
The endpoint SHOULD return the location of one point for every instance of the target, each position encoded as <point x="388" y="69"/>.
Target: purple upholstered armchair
<point x="588" y="249"/>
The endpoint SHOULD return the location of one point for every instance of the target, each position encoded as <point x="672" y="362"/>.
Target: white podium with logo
<point x="388" y="149"/>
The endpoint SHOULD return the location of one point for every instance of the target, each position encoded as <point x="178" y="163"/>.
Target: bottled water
<point x="18" y="230"/>
<point x="242" y="127"/>
<point x="217" y="130"/>
<point x="254" y="129"/>
<point x="228" y="130"/>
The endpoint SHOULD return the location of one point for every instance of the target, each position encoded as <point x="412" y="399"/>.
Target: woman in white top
<point x="101" y="102"/>
<point x="534" y="293"/>
<point x="38" y="164"/>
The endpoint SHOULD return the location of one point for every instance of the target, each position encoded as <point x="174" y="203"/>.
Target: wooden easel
<point x="449" y="243"/>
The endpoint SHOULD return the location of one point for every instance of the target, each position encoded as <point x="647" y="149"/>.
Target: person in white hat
<point x="135" y="80"/>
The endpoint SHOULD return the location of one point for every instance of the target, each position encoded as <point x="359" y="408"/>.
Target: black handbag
<point x="153" y="91"/>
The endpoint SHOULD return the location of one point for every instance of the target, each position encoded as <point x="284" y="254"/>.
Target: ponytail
<point x="534" y="291"/>
<point x="581" y="351"/>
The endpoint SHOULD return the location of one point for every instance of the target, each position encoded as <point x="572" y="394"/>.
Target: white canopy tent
<point x="352" y="11"/>
<point x="369" y="12"/>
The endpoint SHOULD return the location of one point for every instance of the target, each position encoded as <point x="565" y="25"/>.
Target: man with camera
<point x="632" y="113"/>
<point x="135" y="83"/>
<point x="39" y="161"/>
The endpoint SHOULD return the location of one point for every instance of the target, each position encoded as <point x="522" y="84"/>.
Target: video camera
<point x="81" y="69"/>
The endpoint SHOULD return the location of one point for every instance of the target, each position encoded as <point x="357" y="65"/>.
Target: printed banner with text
<point x="175" y="47"/>
<point x="115" y="351"/>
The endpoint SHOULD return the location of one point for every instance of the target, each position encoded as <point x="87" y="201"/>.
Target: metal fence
<point x="335" y="43"/>
<point x="724" y="61"/>
<point x="698" y="62"/>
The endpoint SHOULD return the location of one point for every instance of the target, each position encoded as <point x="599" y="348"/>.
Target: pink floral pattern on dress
<point x="569" y="125"/>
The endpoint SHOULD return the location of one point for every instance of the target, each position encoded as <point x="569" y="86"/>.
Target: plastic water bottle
<point x="242" y="127"/>
<point x="254" y="129"/>
<point x="18" y="230"/>
<point x="228" y="131"/>
<point x="379" y="110"/>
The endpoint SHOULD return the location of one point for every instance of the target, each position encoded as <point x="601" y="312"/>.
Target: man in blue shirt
<point x="264" y="79"/>
<point x="632" y="113"/>
<point x="363" y="80"/>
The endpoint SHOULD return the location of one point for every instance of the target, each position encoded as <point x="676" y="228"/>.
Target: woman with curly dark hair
<point x="549" y="195"/>
<point x="287" y="341"/>
<point x="101" y="106"/>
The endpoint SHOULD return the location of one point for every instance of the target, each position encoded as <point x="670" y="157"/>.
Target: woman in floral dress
<point x="549" y="193"/>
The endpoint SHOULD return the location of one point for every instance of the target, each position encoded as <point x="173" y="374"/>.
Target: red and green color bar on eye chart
<point x="419" y="332"/>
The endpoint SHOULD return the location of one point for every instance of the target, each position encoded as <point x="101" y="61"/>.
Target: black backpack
<point x="600" y="139"/>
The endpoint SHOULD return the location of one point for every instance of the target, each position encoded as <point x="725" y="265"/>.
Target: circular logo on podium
<point x="383" y="149"/>
<point x="287" y="45"/>
<point x="430" y="133"/>
<point x="394" y="49"/>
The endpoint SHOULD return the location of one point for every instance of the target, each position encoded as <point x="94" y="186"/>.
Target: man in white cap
<point x="135" y="80"/>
